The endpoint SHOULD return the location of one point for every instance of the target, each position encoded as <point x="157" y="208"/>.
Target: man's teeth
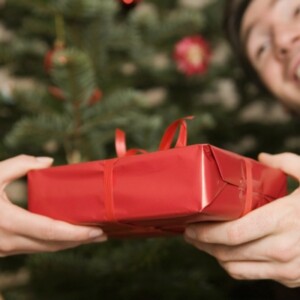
<point x="298" y="72"/>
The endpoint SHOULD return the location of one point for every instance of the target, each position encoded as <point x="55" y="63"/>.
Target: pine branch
<point x="35" y="131"/>
<point x="73" y="73"/>
<point x="173" y="25"/>
<point x="33" y="99"/>
<point x="81" y="9"/>
<point x="112" y="111"/>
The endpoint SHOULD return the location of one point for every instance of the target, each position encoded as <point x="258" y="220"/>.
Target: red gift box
<point x="156" y="193"/>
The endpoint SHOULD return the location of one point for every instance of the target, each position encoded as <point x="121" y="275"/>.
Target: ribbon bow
<point x="121" y="149"/>
<point x="166" y="141"/>
<point x="165" y="144"/>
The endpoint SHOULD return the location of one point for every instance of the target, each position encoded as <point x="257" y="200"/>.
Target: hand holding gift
<point x="156" y="193"/>
<point x="264" y="244"/>
<point x="25" y="232"/>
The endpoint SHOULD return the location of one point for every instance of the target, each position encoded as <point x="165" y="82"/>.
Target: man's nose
<point x="284" y="38"/>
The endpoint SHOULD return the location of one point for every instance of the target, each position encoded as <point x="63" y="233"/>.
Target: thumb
<point x="19" y="166"/>
<point x="289" y="163"/>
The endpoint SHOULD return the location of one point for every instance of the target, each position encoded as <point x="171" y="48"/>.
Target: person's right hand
<point x="264" y="244"/>
<point x="24" y="232"/>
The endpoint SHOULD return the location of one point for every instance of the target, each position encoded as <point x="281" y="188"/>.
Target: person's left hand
<point x="23" y="232"/>
<point x="265" y="243"/>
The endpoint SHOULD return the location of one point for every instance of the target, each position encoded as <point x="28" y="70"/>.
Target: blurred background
<point x="71" y="71"/>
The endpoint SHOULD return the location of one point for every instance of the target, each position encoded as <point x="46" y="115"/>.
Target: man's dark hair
<point x="233" y="15"/>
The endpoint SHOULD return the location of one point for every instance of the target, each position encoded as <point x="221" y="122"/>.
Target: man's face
<point x="271" y="36"/>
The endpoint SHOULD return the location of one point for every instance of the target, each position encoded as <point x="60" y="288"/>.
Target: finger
<point x="12" y="245"/>
<point x="251" y="270"/>
<point x="18" y="166"/>
<point x="229" y="253"/>
<point x="289" y="163"/>
<point x="28" y="246"/>
<point x="255" y="225"/>
<point x="17" y="220"/>
<point x="23" y="245"/>
<point x="267" y="249"/>
<point x="287" y="274"/>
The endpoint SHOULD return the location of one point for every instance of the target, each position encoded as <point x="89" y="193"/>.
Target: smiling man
<point x="265" y="244"/>
<point x="265" y="34"/>
<point x="270" y="35"/>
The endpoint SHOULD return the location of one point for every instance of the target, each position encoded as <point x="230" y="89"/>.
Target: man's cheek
<point x="273" y="80"/>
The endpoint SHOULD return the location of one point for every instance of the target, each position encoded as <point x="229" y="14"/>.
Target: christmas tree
<point x="80" y="69"/>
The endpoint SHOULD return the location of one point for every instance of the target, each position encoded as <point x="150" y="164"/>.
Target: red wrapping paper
<point x="155" y="193"/>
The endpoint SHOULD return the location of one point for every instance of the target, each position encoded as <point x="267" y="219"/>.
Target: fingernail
<point x="44" y="159"/>
<point x="95" y="233"/>
<point x="190" y="233"/>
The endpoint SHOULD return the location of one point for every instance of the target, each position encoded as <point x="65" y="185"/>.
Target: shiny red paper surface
<point x="155" y="193"/>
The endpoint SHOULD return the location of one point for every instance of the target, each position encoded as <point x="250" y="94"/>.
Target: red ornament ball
<point x="192" y="55"/>
<point x="128" y="4"/>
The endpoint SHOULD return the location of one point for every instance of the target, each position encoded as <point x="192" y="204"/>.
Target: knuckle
<point x="220" y="254"/>
<point x="202" y="236"/>
<point x="24" y="157"/>
<point x="289" y="275"/>
<point x="233" y="271"/>
<point x="6" y="248"/>
<point x="282" y="252"/>
<point x="198" y="235"/>
<point x="6" y="218"/>
<point x="234" y="235"/>
<point x="49" y="233"/>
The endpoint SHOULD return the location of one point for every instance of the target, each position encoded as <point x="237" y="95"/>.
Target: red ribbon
<point x="120" y="144"/>
<point x="169" y="134"/>
<point x="166" y="141"/>
<point x="249" y="188"/>
<point x="108" y="189"/>
<point x="121" y="150"/>
<point x="165" y="144"/>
